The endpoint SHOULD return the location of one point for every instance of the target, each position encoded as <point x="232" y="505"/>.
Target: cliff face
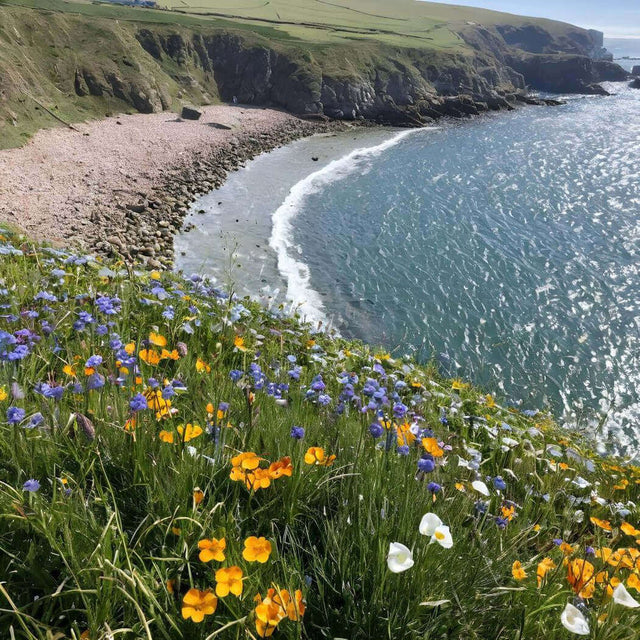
<point x="75" y="67"/>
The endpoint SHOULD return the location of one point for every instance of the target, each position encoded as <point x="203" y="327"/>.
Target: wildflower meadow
<point x="178" y="463"/>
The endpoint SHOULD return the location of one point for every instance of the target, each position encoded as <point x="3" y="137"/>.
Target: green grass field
<point x="178" y="464"/>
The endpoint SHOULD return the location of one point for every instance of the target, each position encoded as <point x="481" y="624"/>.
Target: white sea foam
<point x="295" y="272"/>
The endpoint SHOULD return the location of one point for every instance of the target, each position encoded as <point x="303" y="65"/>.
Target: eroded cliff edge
<point x="72" y="67"/>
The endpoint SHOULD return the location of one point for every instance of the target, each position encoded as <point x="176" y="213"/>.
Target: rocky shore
<point x="122" y="186"/>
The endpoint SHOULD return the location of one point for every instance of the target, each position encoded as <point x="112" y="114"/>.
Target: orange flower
<point x="212" y="549"/>
<point x="197" y="604"/>
<point x="579" y="574"/>
<point x="629" y="529"/>
<point x="69" y="370"/>
<point x="431" y="446"/>
<point x="248" y="460"/>
<point x="198" y="496"/>
<point x="517" y="571"/>
<point x="130" y="424"/>
<point x="544" y="566"/>
<point x="150" y="356"/>
<point x="166" y="436"/>
<point x="228" y="581"/>
<point x="603" y="524"/>
<point x="316" y="456"/>
<point x="282" y="467"/>
<point x="268" y="615"/>
<point x="256" y="549"/>
<point x="258" y="479"/>
<point x="169" y="355"/>
<point x="238" y="343"/>
<point x="633" y="582"/>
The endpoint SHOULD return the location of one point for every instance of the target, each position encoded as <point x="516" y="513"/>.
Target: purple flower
<point x="403" y="450"/>
<point x="34" y="421"/>
<point x="15" y="415"/>
<point x="31" y="486"/>
<point x="324" y="400"/>
<point x="502" y="522"/>
<point x="297" y="433"/>
<point x="138" y="402"/>
<point x="235" y="374"/>
<point x="590" y="551"/>
<point x="223" y="406"/>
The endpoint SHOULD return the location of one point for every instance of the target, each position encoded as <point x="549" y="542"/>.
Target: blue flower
<point x="403" y="450"/>
<point x="34" y="421"/>
<point x="426" y="464"/>
<point x="138" y="402"/>
<point x="399" y="410"/>
<point x="95" y="381"/>
<point x="235" y="374"/>
<point x="499" y="483"/>
<point x="31" y="486"/>
<point x="297" y="433"/>
<point x="93" y="362"/>
<point x="376" y="430"/>
<point x="324" y="400"/>
<point x="15" y="415"/>
<point x="434" y="487"/>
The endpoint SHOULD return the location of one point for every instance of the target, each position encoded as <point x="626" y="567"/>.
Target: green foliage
<point x="108" y="545"/>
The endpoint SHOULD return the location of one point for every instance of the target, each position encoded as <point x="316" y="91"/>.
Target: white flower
<point x="429" y="523"/>
<point x="573" y="620"/>
<point x="400" y="558"/>
<point x="442" y="536"/>
<point x="623" y="597"/>
<point x="480" y="487"/>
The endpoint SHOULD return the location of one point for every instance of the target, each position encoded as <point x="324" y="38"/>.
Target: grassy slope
<point x="109" y="542"/>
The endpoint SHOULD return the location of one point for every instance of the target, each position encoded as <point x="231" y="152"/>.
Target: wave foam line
<point x="295" y="272"/>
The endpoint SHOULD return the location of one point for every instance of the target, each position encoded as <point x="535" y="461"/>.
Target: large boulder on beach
<point x="636" y="70"/>
<point x="635" y="84"/>
<point x="189" y="113"/>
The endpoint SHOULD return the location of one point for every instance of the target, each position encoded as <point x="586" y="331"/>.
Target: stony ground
<point x="122" y="185"/>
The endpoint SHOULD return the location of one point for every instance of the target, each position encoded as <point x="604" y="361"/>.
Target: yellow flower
<point x="212" y="549"/>
<point x="458" y="385"/>
<point x="316" y="455"/>
<point x="460" y="487"/>
<point x="258" y="479"/>
<point x="228" y="581"/>
<point x="198" y="496"/>
<point x="201" y="365"/>
<point x="130" y="348"/>
<point x="403" y="434"/>
<point x="489" y="402"/>
<point x="169" y="355"/>
<point x="131" y="424"/>
<point x="256" y="549"/>
<point x="238" y="343"/>
<point x="603" y="524"/>
<point x="633" y="582"/>
<point x="166" y="436"/>
<point x="68" y="369"/>
<point x="544" y="566"/>
<point x="190" y="432"/>
<point x="155" y="275"/>
<point x="157" y="339"/>
<point x="517" y="571"/>
<point x="197" y="604"/>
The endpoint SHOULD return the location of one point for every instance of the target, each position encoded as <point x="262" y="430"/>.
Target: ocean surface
<point x="506" y="247"/>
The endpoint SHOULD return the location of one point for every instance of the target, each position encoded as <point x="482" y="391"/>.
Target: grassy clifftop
<point x="179" y="464"/>
<point x="79" y="60"/>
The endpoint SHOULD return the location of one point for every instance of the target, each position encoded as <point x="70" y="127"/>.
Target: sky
<point x="617" y="18"/>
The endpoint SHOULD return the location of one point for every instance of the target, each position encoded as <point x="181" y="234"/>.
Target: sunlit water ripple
<point x="506" y="247"/>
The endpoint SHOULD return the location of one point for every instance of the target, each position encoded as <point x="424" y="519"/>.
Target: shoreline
<point x="122" y="186"/>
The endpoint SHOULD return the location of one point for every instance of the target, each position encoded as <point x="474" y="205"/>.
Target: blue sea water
<point x="506" y="247"/>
